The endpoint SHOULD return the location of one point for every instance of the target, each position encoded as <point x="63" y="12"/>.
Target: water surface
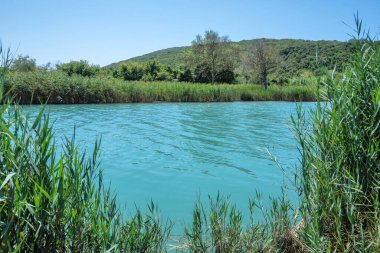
<point x="174" y="152"/>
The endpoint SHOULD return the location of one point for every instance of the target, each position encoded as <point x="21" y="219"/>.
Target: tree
<point x="24" y="64"/>
<point x="131" y="71"/>
<point x="211" y="56"/>
<point x="185" y="75"/>
<point x="151" y="71"/>
<point x="262" y="60"/>
<point x="81" y="67"/>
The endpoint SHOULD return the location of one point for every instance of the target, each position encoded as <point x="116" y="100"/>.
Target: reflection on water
<point x="173" y="152"/>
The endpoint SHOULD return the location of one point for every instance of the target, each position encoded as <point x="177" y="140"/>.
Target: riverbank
<point x="58" y="201"/>
<point x="58" y="88"/>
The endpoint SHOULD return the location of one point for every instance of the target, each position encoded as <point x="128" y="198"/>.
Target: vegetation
<point x="338" y="179"/>
<point x="52" y="201"/>
<point x="57" y="87"/>
<point x="82" y="68"/>
<point x="295" y="57"/>
<point x="212" y="58"/>
<point x="24" y="64"/>
<point x="58" y="202"/>
<point x="261" y="60"/>
<point x="340" y="169"/>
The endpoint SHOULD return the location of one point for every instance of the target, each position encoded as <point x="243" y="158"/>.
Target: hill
<point x="295" y="55"/>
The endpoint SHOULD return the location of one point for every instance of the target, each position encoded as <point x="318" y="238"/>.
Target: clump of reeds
<point x="54" y="201"/>
<point x="57" y="202"/>
<point x="218" y="227"/>
<point x="340" y="158"/>
<point x="57" y="88"/>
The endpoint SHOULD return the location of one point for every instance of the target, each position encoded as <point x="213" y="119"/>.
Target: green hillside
<point x="170" y="56"/>
<point x="295" y="56"/>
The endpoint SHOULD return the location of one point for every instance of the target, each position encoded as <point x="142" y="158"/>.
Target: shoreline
<point x="177" y="102"/>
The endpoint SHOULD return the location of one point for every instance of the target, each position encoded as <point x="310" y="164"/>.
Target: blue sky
<point x="106" y="31"/>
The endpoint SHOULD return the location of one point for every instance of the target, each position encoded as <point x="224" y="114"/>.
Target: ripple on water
<point x="172" y="152"/>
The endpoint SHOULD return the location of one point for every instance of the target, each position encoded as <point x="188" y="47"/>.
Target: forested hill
<point x="295" y="55"/>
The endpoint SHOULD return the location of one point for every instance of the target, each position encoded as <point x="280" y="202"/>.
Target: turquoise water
<point x="174" y="152"/>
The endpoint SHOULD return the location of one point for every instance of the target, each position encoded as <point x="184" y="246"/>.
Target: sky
<point x="107" y="31"/>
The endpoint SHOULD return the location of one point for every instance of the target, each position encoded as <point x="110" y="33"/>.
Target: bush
<point x="131" y="71"/>
<point x="186" y="76"/>
<point x="82" y="68"/>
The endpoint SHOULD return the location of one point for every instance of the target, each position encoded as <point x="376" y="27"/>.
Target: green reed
<point x="339" y="177"/>
<point x="56" y="87"/>
<point x="54" y="201"/>
<point x="57" y="201"/>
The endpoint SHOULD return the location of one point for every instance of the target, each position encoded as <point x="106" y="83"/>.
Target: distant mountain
<point x="296" y="55"/>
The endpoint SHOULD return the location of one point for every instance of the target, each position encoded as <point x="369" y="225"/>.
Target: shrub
<point x="82" y="68"/>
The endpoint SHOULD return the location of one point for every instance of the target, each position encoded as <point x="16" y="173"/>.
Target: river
<point x="174" y="153"/>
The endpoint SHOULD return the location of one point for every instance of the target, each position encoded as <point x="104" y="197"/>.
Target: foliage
<point x="57" y="202"/>
<point x="213" y="229"/>
<point x="151" y="71"/>
<point x="54" y="201"/>
<point x="185" y="75"/>
<point x="82" y="68"/>
<point x="172" y="57"/>
<point x="295" y="56"/>
<point x="5" y="63"/>
<point x="24" y="64"/>
<point x="261" y="60"/>
<point x="339" y="176"/>
<point x="212" y="57"/>
<point x="56" y="87"/>
<point x="130" y="71"/>
<point x="145" y="233"/>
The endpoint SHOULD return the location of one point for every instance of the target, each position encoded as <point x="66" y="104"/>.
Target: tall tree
<point x="262" y="59"/>
<point x="211" y="55"/>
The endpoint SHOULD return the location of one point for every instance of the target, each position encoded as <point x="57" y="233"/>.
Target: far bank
<point x="57" y="88"/>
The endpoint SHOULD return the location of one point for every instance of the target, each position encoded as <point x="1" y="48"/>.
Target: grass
<point x="339" y="177"/>
<point x="59" y="203"/>
<point x="53" y="202"/>
<point x="55" y="87"/>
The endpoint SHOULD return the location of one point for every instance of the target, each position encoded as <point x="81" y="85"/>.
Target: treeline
<point x="215" y="59"/>
<point x="211" y="59"/>
<point x="128" y="71"/>
<point x="299" y="58"/>
<point x="80" y="82"/>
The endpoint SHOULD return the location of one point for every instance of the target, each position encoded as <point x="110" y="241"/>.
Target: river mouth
<point x="175" y="153"/>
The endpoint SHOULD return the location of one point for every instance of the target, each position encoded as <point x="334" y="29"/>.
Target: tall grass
<point x="5" y="63"/>
<point x="340" y="147"/>
<point x="56" y="87"/>
<point x="58" y="202"/>
<point x="52" y="202"/>
<point x="338" y="180"/>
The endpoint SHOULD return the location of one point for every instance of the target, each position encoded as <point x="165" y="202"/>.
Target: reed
<point x="56" y="88"/>
<point x="54" y="201"/>
<point x="339" y="176"/>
